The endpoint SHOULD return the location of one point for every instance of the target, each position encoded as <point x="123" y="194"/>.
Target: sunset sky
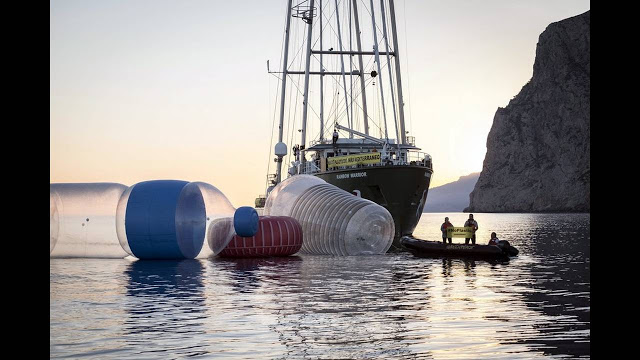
<point x="155" y="89"/>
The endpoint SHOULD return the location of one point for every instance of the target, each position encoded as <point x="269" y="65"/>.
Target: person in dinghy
<point x="503" y="245"/>
<point x="494" y="239"/>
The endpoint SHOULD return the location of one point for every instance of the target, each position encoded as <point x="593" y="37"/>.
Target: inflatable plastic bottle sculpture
<point x="160" y="219"/>
<point x="333" y="221"/>
<point x="276" y="236"/>
<point x="169" y="219"/>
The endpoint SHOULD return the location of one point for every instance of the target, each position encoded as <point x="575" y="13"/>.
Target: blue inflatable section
<point x="245" y="221"/>
<point x="165" y="219"/>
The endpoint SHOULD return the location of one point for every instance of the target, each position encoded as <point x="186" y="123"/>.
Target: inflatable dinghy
<point x="425" y="248"/>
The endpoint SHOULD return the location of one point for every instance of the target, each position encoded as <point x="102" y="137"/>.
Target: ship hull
<point x="401" y="189"/>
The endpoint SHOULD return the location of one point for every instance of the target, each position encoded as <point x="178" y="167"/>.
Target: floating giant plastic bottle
<point x="334" y="222"/>
<point x="170" y="219"/>
<point x="159" y="219"/>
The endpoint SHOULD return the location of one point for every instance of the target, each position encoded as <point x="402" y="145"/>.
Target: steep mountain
<point x="451" y="197"/>
<point x="538" y="148"/>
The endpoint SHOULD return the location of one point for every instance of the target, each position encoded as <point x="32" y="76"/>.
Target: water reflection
<point x="341" y="311"/>
<point x="391" y="306"/>
<point x="84" y="308"/>
<point x="559" y="285"/>
<point x="165" y="307"/>
<point x="245" y="275"/>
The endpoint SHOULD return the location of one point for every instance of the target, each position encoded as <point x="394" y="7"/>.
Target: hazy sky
<point x="155" y="89"/>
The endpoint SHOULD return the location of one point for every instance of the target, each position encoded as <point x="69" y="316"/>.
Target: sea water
<point x="357" y="307"/>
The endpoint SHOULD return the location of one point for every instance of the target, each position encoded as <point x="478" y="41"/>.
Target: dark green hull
<point x="401" y="189"/>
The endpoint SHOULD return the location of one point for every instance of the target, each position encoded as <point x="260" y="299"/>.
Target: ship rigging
<point x="368" y="158"/>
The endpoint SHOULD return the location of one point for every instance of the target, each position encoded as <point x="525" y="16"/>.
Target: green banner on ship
<point x="460" y="232"/>
<point x="348" y="160"/>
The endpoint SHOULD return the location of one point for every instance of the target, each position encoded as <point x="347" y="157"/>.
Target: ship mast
<point x="344" y="79"/>
<point x="283" y="94"/>
<point x="394" y="34"/>
<point x="321" y="79"/>
<point x="307" y="13"/>
<point x="377" y="55"/>
<point x="309" y="21"/>
<point x="350" y="68"/>
<point x="386" y="43"/>
<point x="363" y="93"/>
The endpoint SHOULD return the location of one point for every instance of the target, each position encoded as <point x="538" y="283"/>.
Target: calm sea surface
<point x="388" y="306"/>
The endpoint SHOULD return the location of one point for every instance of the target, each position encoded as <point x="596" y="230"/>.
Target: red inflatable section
<point x="276" y="236"/>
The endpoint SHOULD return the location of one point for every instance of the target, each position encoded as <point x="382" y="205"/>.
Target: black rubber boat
<point x="425" y="248"/>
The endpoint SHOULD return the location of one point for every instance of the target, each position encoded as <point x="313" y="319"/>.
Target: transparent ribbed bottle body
<point x="334" y="222"/>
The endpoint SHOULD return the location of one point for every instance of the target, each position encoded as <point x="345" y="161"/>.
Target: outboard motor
<point x="507" y="248"/>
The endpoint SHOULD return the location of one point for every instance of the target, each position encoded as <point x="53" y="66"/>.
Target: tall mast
<point x="305" y="104"/>
<point x="321" y="80"/>
<point x="350" y="70"/>
<point x="393" y="95"/>
<point x="392" y="13"/>
<point x="344" y="79"/>
<point x="375" y="48"/>
<point x="284" y="85"/>
<point x="362" y="86"/>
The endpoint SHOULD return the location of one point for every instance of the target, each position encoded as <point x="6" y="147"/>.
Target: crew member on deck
<point x="446" y="224"/>
<point x="335" y="137"/>
<point x="494" y="239"/>
<point x="472" y="223"/>
<point x="296" y="151"/>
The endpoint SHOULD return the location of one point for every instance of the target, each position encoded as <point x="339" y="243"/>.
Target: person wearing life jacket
<point x="494" y="239"/>
<point x="445" y="225"/>
<point x="474" y="224"/>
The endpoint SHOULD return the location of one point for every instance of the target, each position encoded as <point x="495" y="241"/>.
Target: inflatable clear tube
<point x="334" y="222"/>
<point x="82" y="220"/>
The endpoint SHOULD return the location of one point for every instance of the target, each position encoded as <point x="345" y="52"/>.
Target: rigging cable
<point x="290" y="128"/>
<point x="274" y="111"/>
<point x="406" y="49"/>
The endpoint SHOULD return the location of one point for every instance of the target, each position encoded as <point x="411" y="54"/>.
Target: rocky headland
<point x="538" y="148"/>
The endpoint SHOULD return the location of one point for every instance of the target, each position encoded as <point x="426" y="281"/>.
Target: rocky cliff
<point x="538" y="148"/>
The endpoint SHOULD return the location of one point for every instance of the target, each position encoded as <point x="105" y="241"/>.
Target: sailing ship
<point x="353" y="148"/>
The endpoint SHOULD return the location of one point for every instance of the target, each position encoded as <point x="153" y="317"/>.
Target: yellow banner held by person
<point x="460" y="232"/>
<point x="348" y="160"/>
